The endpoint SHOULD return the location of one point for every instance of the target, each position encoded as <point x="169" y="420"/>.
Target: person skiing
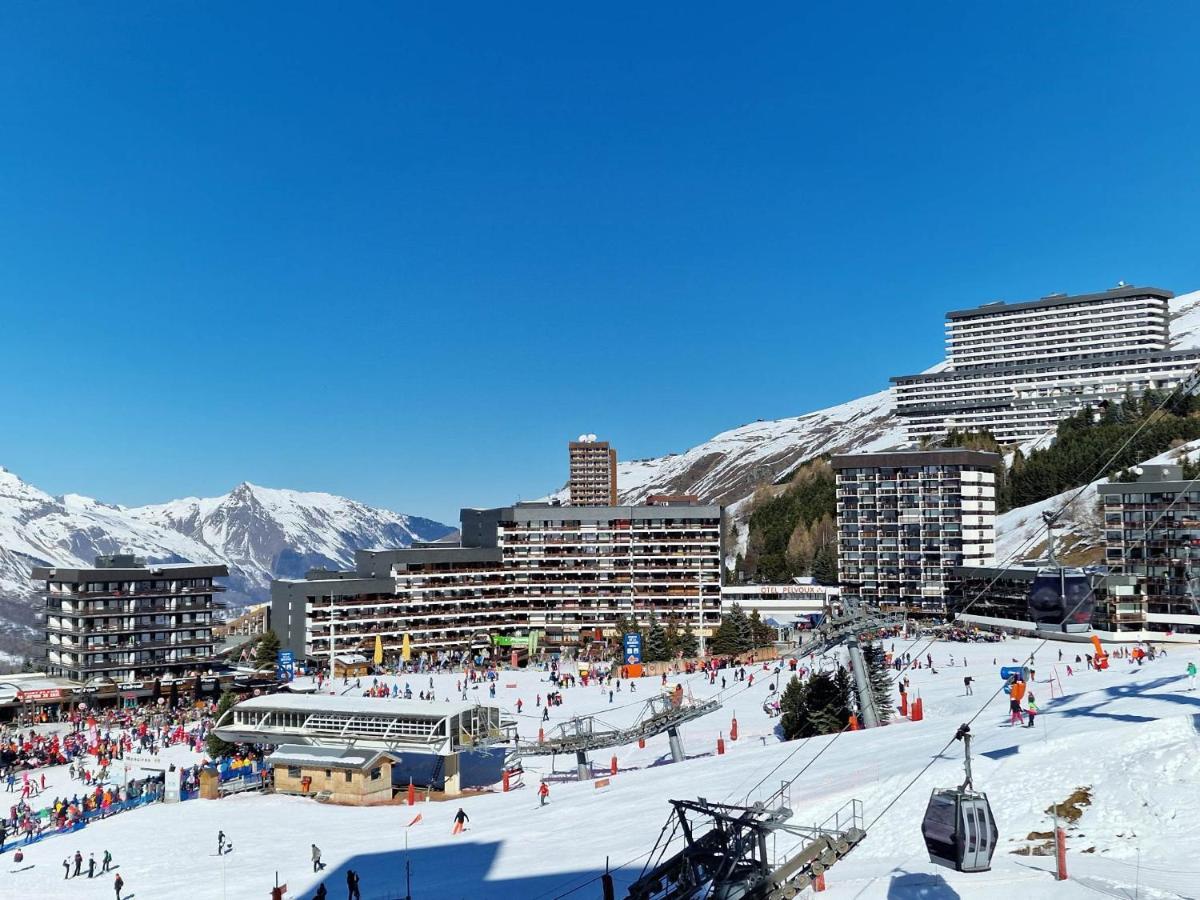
<point x="460" y="821"/>
<point x="220" y="843"/>
<point x="352" y="885"/>
<point x="967" y="684"/>
<point x="543" y="793"/>
<point x="66" y="868"/>
<point x="118" y="884"/>
<point x="91" y="865"/>
<point x="316" y="858"/>
<point x="1191" y="674"/>
<point x="106" y="862"/>
<point x="1032" y="710"/>
<point x="78" y="863"/>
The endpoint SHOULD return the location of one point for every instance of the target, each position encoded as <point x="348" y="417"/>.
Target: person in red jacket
<point x="544" y="793"/>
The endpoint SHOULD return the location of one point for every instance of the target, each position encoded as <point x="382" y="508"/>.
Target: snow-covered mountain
<point x="264" y="533"/>
<point x="728" y="467"/>
<point x="258" y="532"/>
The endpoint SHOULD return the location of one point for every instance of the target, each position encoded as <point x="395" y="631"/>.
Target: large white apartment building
<point x="1016" y="369"/>
<point x="565" y="572"/>
<point x="907" y="518"/>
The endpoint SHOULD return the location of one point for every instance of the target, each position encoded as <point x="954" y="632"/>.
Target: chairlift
<point x="959" y="829"/>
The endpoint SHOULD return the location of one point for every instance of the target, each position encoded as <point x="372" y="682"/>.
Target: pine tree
<point x="763" y="634"/>
<point x="688" y="646"/>
<point x="824" y="565"/>
<point x="216" y="747"/>
<point x="825" y="704"/>
<point x="267" y="651"/>
<point x="881" y="684"/>
<point x="725" y="641"/>
<point x="743" y="631"/>
<point x="656" y="648"/>
<point x="794" y="720"/>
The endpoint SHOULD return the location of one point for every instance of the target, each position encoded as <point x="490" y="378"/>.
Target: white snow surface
<point x="1130" y="735"/>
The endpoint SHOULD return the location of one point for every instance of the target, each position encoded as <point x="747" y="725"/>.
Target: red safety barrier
<point x="412" y="794"/>
<point x="819" y="883"/>
<point x="1060" y="841"/>
<point x="918" y="710"/>
<point x="733" y="730"/>
<point x="504" y="781"/>
<point x="904" y="705"/>
<point x="613" y="766"/>
<point x="541" y="736"/>
<point x="641" y="743"/>
<point x="853" y="722"/>
<point x="720" y="745"/>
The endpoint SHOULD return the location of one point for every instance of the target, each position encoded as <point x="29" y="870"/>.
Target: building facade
<point x="1017" y="369"/>
<point x="1152" y="531"/>
<point x="784" y="603"/>
<point x="129" y="622"/>
<point x="566" y="572"/>
<point x="593" y="472"/>
<point x="908" y="518"/>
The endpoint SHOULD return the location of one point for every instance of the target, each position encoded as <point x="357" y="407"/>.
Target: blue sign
<point x="285" y="665"/>
<point x="632" y="646"/>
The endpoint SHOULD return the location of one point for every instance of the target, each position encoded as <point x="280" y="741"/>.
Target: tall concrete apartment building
<point x="126" y="621"/>
<point x="566" y="572"/>
<point x="593" y="472"/>
<point x="1016" y="369"/>
<point x="908" y="518"/>
<point x="1152" y="531"/>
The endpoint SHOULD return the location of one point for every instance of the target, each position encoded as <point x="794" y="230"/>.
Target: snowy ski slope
<point x="1130" y="735"/>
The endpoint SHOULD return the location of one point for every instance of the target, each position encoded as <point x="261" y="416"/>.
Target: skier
<point x="78" y="863"/>
<point x="220" y="843"/>
<point x="1191" y="673"/>
<point x="1032" y="710"/>
<point x="967" y="684"/>
<point x="106" y="862"/>
<point x="543" y="793"/>
<point x="316" y="858"/>
<point x="460" y="820"/>
<point x="91" y="865"/>
<point x="546" y="714"/>
<point x="66" y="868"/>
<point x="118" y="883"/>
<point x="352" y="886"/>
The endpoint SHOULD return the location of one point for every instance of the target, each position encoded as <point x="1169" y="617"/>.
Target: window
<point x="329" y="773"/>
<point x="349" y="777"/>
<point x="293" y="771"/>
<point x="376" y="773"/>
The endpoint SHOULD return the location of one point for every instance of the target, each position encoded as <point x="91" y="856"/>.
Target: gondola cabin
<point x="959" y="830"/>
<point x="1061" y="599"/>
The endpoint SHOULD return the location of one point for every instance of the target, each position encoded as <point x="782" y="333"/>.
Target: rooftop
<point x="317" y="703"/>
<point x="329" y="757"/>
<point x="1053" y="300"/>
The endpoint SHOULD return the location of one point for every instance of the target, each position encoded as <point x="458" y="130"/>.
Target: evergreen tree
<point x="763" y="635"/>
<point x="881" y="684"/>
<point x="845" y="687"/>
<point x="742" y="629"/>
<point x="672" y="637"/>
<point x="794" y="718"/>
<point x="826" y="704"/>
<point x="725" y="641"/>
<point x="267" y="650"/>
<point x="688" y="646"/>
<point x="656" y="648"/>
<point x="824" y="565"/>
<point x="216" y="747"/>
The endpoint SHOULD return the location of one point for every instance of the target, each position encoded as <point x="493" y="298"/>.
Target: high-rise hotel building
<point x="593" y="472"/>
<point x="1016" y="369"/>
<point x="126" y="621"/>
<point x="566" y="572"/>
<point x="907" y="518"/>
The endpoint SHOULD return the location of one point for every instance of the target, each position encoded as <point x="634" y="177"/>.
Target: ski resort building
<point x="1152" y="531"/>
<point x="593" y="472"/>
<point x="1016" y="369"/>
<point x="782" y="603"/>
<point x="128" y="622"/>
<point x="908" y="518"/>
<point x="565" y="572"/>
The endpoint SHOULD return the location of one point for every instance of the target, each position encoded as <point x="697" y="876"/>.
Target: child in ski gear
<point x="543" y="793"/>
<point x="1032" y="710"/>
<point x="1191" y="674"/>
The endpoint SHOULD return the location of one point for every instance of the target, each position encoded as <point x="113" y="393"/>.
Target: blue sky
<point x="404" y="252"/>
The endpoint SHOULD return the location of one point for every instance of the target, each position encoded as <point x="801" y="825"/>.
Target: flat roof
<point x="944" y="456"/>
<point x="1060" y="300"/>
<point x="61" y="573"/>
<point x="378" y="706"/>
<point x="329" y="757"/>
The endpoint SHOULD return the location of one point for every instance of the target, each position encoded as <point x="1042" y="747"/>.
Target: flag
<point x="406" y="649"/>
<point x="378" y="650"/>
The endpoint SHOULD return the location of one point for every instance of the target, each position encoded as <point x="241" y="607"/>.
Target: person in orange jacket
<point x="544" y="793"/>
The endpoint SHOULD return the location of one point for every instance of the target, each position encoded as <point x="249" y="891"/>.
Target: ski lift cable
<point x="1030" y="542"/>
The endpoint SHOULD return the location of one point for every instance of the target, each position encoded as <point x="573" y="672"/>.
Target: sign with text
<point x="631" y="645"/>
<point x="285" y="665"/>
